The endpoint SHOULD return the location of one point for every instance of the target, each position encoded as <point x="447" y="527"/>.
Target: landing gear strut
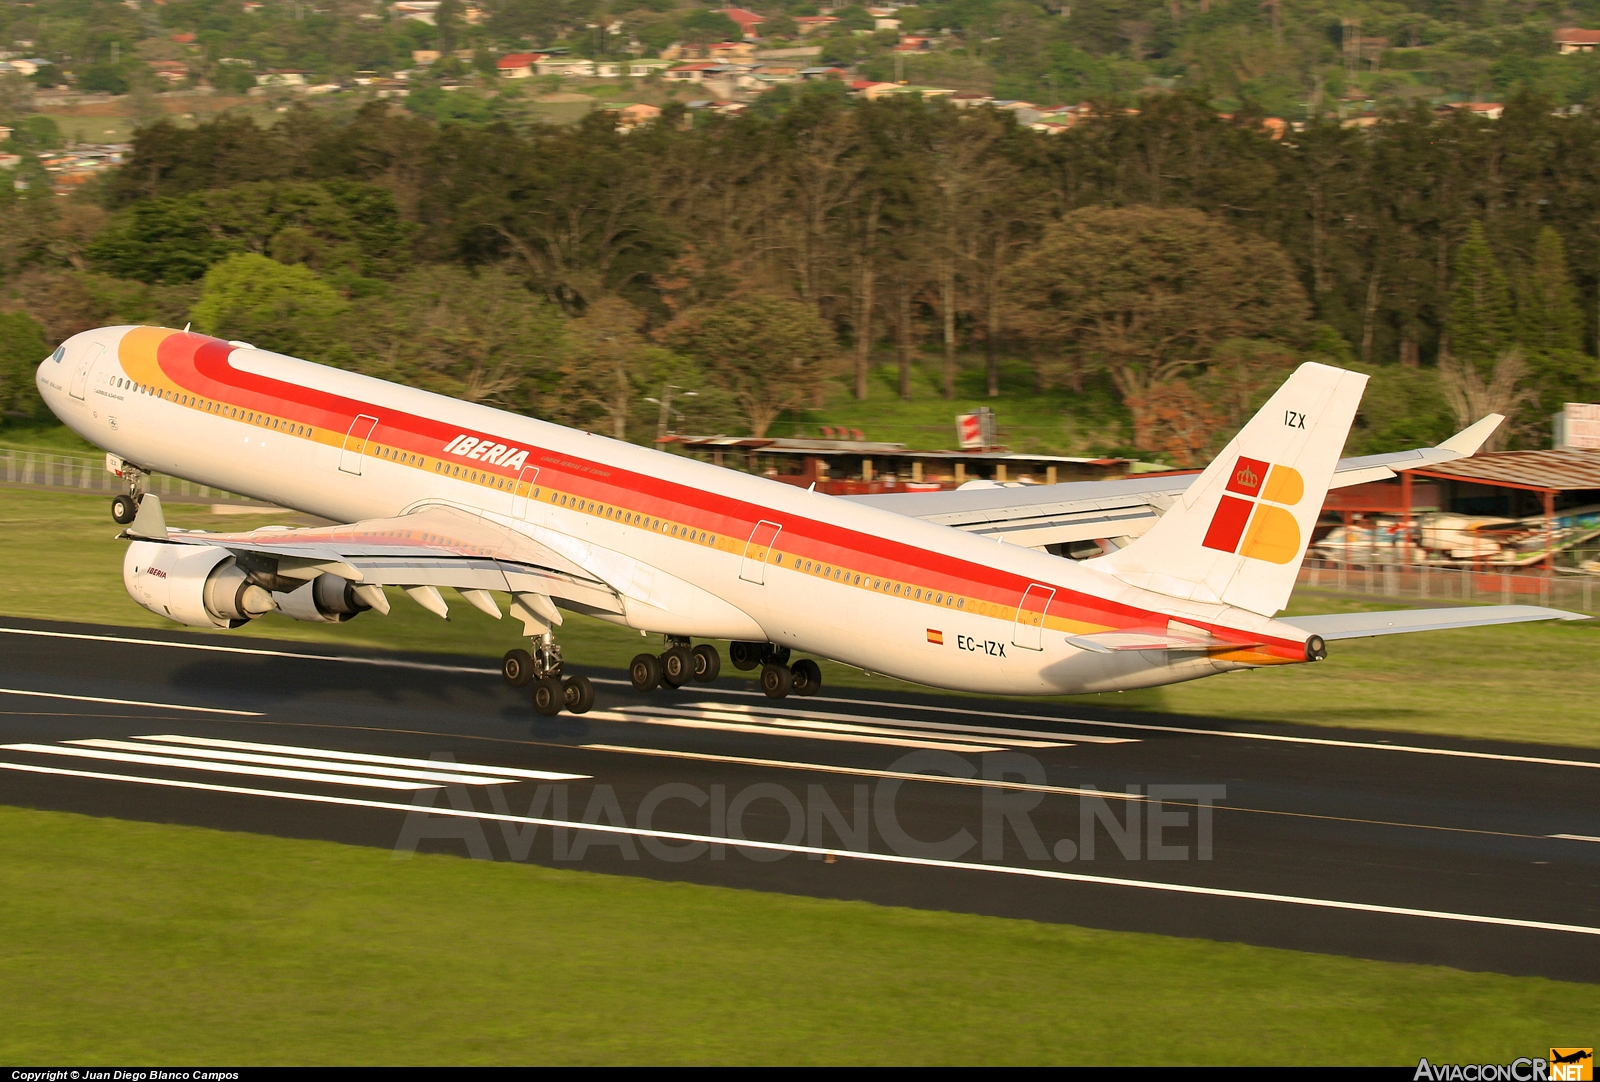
<point x="778" y="677"/>
<point x="542" y="668"/>
<point x="126" y="506"/>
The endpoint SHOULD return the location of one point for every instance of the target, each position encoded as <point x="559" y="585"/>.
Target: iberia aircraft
<point x="1188" y="579"/>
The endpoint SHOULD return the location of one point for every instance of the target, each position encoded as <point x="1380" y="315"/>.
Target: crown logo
<point x="1246" y="477"/>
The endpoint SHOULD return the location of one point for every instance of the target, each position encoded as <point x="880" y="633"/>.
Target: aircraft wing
<point x="1361" y="625"/>
<point x="436" y="545"/>
<point x="1035" y="516"/>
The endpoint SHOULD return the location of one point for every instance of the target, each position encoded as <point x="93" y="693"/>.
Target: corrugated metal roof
<point x="1560" y="470"/>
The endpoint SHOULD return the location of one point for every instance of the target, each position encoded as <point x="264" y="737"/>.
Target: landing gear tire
<point x="645" y="672"/>
<point x="577" y="694"/>
<point x="517" y="668"/>
<point x="746" y="655"/>
<point x="807" y="677"/>
<point x="548" y="697"/>
<point x="677" y="666"/>
<point x="123" y="510"/>
<point x="707" y="663"/>
<point x="776" y="680"/>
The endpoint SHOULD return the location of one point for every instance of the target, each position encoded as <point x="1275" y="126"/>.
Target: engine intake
<point x="198" y="586"/>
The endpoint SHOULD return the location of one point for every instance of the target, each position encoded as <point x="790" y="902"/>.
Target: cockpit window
<point x="61" y="351"/>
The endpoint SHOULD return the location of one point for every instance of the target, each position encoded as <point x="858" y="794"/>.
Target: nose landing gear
<point x="542" y="668"/>
<point x="126" y="506"/>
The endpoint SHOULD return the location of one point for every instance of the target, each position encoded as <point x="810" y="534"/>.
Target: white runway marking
<point x="679" y="722"/>
<point x="861" y="771"/>
<point x="439" y="777"/>
<point x="837" y="723"/>
<point x="806" y="850"/>
<point x="1047" y="718"/>
<point x="987" y="731"/>
<point x="1574" y="837"/>
<point x="217" y="768"/>
<point x="499" y="772"/>
<point x="129" y="702"/>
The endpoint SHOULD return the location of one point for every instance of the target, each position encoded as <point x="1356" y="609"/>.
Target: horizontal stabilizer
<point x="1361" y="625"/>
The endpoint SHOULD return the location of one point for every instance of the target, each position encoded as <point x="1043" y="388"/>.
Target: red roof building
<point x="746" y="20"/>
<point x="519" y="65"/>
<point x="1573" y="40"/>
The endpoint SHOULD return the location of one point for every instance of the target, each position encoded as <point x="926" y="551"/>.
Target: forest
<point x="1171" y="260"/>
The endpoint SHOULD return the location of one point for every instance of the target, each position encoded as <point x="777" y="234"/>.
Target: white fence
<point x="1510" y="586"/>
<point x="86" y="474"/>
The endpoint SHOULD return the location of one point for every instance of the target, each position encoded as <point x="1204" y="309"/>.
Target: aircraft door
<point x="80" y="375"/>
<point x="1029" y="630"/>
<point x="757" y="551"/>
<point x="355" y="444"/>
<point x="522" y="495"/>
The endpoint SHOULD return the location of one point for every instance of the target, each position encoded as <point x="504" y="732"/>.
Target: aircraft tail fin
<point x="1239" y="532"/>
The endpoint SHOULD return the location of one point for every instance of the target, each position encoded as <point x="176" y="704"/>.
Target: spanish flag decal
<point x="936" y="637"/>
<point x="1246" y="520"/>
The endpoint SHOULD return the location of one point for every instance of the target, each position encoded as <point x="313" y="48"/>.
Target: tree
<point x="286" y="309"/>
<point x="1548" y="316"/>
<point x="481" y="336"/>
<point x="1472" y="393"/>
<point x="706" y="25"/>
<point x="1148" y="294"/>
<point x="22" y="347"/>
<point x="1482" y="320"/>
<point x="767" y="351"/>
<point x="604" y="350"/>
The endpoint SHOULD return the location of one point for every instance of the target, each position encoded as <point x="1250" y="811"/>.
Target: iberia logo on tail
<point x="1254" y="522"/>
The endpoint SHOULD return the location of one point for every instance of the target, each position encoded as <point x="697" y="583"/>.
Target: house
<point x="422" y="11"/>
<point x="639" y="69"/>
<point x="811" y="24"/>
<point x="1489" y="110"/>
<point x="1577" y="41"/>
<point x="697" y="72"/>
<point x="185" y="38"/>
<point x="518" y="65"/>
<point x="1025" y="111"/>
<point x="970" y="99"/>
<point x="909" y="44"/>
<point x="285" y="77"/>
<point x="607" y="70"/>
<point x="423" y="57"/>
<point x="731" y="50"/>
<point x="811" y="74"/>
<point x="10" y="161"/>
<point x="565" y="66"/>
<point x="778" y="70"/>
<point x="170" y="72"/>
<point x="747" y="21"/>
<point x="5" y="133"/>
<point x="873" y="91"/>
<point x="28" y="65"/>
<point x="632" y="116"/>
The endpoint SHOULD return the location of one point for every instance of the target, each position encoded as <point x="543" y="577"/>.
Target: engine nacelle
<point x="326" y="599"/>
<point x="200" y="586"/>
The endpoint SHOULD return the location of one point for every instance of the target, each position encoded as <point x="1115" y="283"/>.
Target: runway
<point x="1380" y="845"/>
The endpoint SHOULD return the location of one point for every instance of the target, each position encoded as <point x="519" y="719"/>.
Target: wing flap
<point x="1360" y="625"/>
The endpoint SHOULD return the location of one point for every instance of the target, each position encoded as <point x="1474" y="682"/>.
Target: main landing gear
<point x="778" y="677"/>
<point x="675" y="666"/>
<point x="542" y="669"/>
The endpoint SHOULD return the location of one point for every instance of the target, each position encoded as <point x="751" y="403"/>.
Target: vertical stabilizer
<point x="1239" y="533"/>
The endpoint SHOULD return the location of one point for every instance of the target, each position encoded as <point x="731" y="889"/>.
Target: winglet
<point x="1467" y="442"/>
<point x="149" y="524"/>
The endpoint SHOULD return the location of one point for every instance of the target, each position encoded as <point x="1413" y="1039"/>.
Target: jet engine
<point x="198" y="586"/>
<point x="326" y="599"/>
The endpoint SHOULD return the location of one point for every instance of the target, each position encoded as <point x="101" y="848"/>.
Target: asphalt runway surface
<point x="1471" y="854"/>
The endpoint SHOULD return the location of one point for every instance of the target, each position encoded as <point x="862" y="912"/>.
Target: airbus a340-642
<point x="956" y="590"/>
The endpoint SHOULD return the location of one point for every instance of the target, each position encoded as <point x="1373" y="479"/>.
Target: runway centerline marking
<point x="364" y="757"/>
<point x="819" y="852"/>
<point x="130" y="702"/>
<point x="217" y="768"/>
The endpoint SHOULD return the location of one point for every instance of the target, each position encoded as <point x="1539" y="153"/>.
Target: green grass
<point x="127" y="943"/>
<point x="1535" y="682"/>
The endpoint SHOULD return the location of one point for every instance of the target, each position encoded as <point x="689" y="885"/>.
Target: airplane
<point x="964" y="590"/>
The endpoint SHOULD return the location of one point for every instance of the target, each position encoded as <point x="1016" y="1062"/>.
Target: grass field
<point x="132" y="943"/>
<point x="1536" y="683"/>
